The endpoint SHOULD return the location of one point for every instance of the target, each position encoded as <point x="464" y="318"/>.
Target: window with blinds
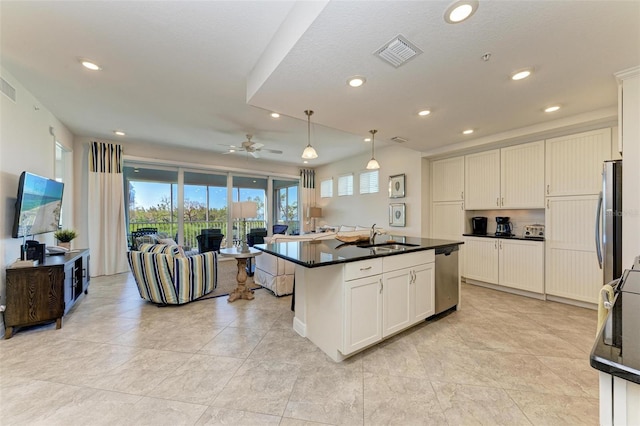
<point x="345" y="185"/>
<point x="369" y="182"/>
<point x="326" y="188"/>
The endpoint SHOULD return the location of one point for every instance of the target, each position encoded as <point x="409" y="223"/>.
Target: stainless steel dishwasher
<point x="446" y="285"/>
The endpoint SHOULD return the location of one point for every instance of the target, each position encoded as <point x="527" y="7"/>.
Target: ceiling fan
<point x="252" y="148"/>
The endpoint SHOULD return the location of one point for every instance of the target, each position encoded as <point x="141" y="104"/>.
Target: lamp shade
<point x="244" y="209"/>
<point x="314" y="212"/>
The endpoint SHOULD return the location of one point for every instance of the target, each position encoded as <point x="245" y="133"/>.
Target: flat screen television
<point x="38" y="205"/>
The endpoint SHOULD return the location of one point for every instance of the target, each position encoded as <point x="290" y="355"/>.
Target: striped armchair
<point x="166" y="277"/>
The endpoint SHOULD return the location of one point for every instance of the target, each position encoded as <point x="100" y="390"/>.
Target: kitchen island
<point x="351" y="296"/>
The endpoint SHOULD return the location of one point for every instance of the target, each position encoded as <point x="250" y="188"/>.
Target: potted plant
<point x="64" y="237"/>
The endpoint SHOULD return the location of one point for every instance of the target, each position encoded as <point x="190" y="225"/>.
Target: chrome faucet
<point x="372" y="234"/>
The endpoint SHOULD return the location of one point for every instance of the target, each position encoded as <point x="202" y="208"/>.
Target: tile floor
<point x="501" y="359"/>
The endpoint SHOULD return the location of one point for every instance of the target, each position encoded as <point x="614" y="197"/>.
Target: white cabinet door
<point x="424" y="292"/>
<point x="521" y="264"/>
<point x="447" y="178"/>
<point x="481" y="259"/>
<point x="572" y="269"/>
<point x="362" y="313"/>
<point x="522" y="176"/>
<point x="396" y="301"/>
<point x="482" y="180"/>
<point x="574" y="163"/>
<point x="447" y="220"/>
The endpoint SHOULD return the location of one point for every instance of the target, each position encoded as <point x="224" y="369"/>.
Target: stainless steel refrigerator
<point x="609" y="222"/>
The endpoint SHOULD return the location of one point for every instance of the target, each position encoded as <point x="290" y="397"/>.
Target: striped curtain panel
<point x="107" y="223"/>
<point x="307" y="195"/>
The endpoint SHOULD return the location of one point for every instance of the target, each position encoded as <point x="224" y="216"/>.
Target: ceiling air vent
<point x="398" y="139"/>
<point x="7" y="89"/>
<point x="398" y="51"/>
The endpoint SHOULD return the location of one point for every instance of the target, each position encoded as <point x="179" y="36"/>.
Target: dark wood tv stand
<point x="44" y="293"/>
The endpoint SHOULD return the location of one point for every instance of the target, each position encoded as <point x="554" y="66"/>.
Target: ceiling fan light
<point x="309" y="153"/>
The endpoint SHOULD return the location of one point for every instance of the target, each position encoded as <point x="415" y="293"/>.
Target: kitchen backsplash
<point x="518" y="219"/>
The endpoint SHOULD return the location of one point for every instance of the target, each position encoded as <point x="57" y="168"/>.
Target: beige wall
<point x="367" y="209"/>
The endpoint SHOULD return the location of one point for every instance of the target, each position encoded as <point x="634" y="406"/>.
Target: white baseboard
<point x="299" y="327"/>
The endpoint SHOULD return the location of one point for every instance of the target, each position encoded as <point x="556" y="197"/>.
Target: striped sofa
<point x="165" y="276"/>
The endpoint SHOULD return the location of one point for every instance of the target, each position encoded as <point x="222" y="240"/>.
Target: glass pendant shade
<point x="309" y="152"/>
<point x="373" y="163"/>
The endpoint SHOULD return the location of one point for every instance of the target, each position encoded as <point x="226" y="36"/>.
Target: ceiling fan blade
<point x="254" y="154"/>
<point x="256" y="146"/>
<point x="273" y="151"/>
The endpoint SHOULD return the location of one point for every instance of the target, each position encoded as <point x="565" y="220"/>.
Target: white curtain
<point x="107" y="224"/>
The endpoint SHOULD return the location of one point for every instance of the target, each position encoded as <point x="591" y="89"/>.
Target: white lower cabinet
<point x="516" y="264"/>
<point x="380" y="305"/>
<point x="408" y="297"/>
<point x="363" y="313"/>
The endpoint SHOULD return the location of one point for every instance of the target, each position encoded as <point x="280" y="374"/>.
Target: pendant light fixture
<point x="373" y="163"/>
<point x="309" y="153"/>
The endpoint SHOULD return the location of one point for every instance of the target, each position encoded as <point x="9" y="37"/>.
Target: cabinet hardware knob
<point x="365" y="269"/>
<point x="381" y="285"/>
<point x="495" y="244"/>
<point x="547" y="203"/>
<point x="502" y="201"/>
<point x="462" y="195"/>
<point x="547" y="189"/>
<point x="498" y="201"/>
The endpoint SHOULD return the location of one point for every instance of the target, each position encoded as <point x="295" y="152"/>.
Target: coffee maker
<point x="479" y="225"/>
<point x="503" y="226"/>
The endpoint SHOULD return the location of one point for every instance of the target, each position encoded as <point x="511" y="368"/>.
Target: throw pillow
<point x="168" y="241"/>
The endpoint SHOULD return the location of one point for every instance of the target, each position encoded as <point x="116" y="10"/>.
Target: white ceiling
<point x="202" y="74"/>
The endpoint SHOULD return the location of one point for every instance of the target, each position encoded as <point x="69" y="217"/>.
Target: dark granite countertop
<point x="313" y="254"/>
<point x="506" y="237"/>
<point x="616" y="350"/>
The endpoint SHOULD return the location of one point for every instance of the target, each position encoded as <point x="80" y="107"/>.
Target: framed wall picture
<point x="396" y="214"/>
<point x="396" y="186"/>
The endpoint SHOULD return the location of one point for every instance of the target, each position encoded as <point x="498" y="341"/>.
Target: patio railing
<point x="193" y="229"/>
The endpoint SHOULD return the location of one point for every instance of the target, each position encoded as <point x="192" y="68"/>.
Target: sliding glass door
<point x="182" y="202"/>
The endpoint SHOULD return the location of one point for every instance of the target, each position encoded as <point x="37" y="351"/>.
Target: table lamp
<point x="313" y="213"/>
<point x="244" y="210"/>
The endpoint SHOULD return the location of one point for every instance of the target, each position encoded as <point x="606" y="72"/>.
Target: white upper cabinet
<point x="447" y="179"/>
<point x="482" y="180"/>
<point x="511" y="177"/>
<point x="574" y="163"/>
<point x="447" y="220"/>
<point x="522" y="176"/>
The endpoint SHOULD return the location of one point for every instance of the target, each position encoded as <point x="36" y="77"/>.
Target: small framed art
<point x="396" y="214"/>
<point x="396" y="186"/>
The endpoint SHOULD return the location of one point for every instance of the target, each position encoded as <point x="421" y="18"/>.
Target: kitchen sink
<point x="388" y="247"/>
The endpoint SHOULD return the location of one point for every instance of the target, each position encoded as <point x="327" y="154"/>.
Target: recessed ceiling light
<point x="275" y="115"/>
<point x="521" y="74"/>
<point x="367" y="139"/>
<point x="460" y="10"/>
<point x="90" y="65"/>
<point x="356" y="81"/>
<point x="306" y="162"/>
<point x="467" y="132"/>
<point x="424" y="112"/>
<point x="119" y="132"/>
<point x="552" y="108"/>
